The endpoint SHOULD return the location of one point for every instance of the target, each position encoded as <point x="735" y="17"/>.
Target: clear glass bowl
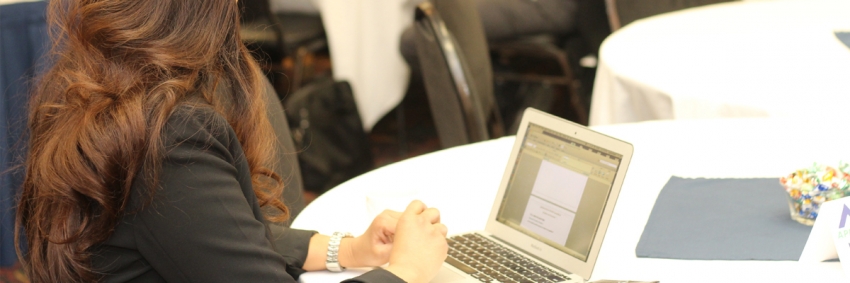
<point x="810" y="187"/>
<point x="805" y="206"/>
<point x="800" y="214"/>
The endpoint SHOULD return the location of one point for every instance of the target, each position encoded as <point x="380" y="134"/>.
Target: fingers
<point x="391" y="213"/>
<point x="387" y="220"/>
<point x="432" y="215"/>
<point x="442" y="229"/>
<point x="420" y="244"/>
<point x="415" y="207"/>
<point x="385" y="225"/>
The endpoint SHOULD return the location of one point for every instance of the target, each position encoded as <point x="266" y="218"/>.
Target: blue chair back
<point x="23" y="41"/>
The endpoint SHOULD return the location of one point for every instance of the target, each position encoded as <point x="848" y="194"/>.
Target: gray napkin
<point x="844" y="36"/>
<point x="722" y="219"/>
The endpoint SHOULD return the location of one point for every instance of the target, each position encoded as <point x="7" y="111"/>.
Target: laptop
<point x="552" y="209"/>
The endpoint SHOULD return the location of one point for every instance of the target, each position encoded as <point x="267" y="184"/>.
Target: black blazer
<point x="204" y="223"/>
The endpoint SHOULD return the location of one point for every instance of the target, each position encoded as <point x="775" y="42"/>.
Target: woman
<point x="149" y="160"/>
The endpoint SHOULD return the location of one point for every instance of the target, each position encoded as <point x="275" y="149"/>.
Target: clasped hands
<point x="413" y="242"/>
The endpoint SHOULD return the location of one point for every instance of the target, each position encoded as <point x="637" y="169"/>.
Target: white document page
<point x="553" y="203"/>
<point x="559" y="185"/>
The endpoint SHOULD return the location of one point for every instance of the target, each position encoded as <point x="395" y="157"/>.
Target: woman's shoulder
<point x="197" y="122"/>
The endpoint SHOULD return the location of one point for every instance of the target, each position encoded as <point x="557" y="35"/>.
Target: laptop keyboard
<point x="488" y="261"/>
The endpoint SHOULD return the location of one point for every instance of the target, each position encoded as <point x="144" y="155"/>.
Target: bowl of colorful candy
<point x="810" y="187"/>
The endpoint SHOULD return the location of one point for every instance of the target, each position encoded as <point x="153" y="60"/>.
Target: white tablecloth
<point x="462" y="183"/>
<point x="738" y="59"/>
<point x="364" y="44"/>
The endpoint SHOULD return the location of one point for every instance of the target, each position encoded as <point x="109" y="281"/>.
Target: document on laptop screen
<point x="558" y="190"/>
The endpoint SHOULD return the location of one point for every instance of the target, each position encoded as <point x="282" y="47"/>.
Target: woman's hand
<point x="420" y="244"/>
<point x="373" y="247"/>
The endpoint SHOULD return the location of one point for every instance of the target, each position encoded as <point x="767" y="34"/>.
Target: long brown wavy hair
<point x="119" y="69"/>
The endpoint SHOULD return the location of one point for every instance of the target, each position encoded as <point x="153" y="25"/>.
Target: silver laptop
<point x="552" y="209"/>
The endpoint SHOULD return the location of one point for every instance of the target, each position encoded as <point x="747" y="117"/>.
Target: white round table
<point x="737" y="59"/>
<point x="462" y="183"/>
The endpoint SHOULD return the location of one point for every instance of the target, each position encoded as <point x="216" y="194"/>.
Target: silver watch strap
<point x="332" y="262"/>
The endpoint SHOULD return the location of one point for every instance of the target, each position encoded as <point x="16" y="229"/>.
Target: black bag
<point x="326" y="127"/>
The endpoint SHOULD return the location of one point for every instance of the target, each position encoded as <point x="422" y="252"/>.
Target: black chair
<point x="457" y="72"/>
<point x="276" y="37"/>
<point x="623" y="12"/>
<point x="287" y="166"/>
<point x="542" y="49"/>
<point x="261" y="31"/>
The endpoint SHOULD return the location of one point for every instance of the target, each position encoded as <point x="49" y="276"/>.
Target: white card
<point x="830" y="237"/>
<point x="841" y="235"/>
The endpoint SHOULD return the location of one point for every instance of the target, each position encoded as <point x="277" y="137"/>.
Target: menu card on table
<point x="830" y="235"/>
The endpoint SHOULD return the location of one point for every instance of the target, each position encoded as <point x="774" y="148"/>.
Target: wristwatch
<point x="332" y="263"/>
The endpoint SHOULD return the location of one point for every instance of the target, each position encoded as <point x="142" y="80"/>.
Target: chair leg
<point x="298" y="69"/>
<point x="279" y="82"/>
<point x="572" y="88"/>
<point x="567" y="80"/>
<point x="577" y="103"/>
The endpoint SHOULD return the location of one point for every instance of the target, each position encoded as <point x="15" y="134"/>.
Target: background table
<point x="2" y="2"/>
<point x="462" y="183"/>
<point x="738" y="59"/>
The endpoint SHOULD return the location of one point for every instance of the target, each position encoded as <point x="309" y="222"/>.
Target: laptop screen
<point x="558" y="190"/>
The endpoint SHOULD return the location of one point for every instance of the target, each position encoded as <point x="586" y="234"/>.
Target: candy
<point x="810" y="187"/>
<point x="795" y="194"/>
